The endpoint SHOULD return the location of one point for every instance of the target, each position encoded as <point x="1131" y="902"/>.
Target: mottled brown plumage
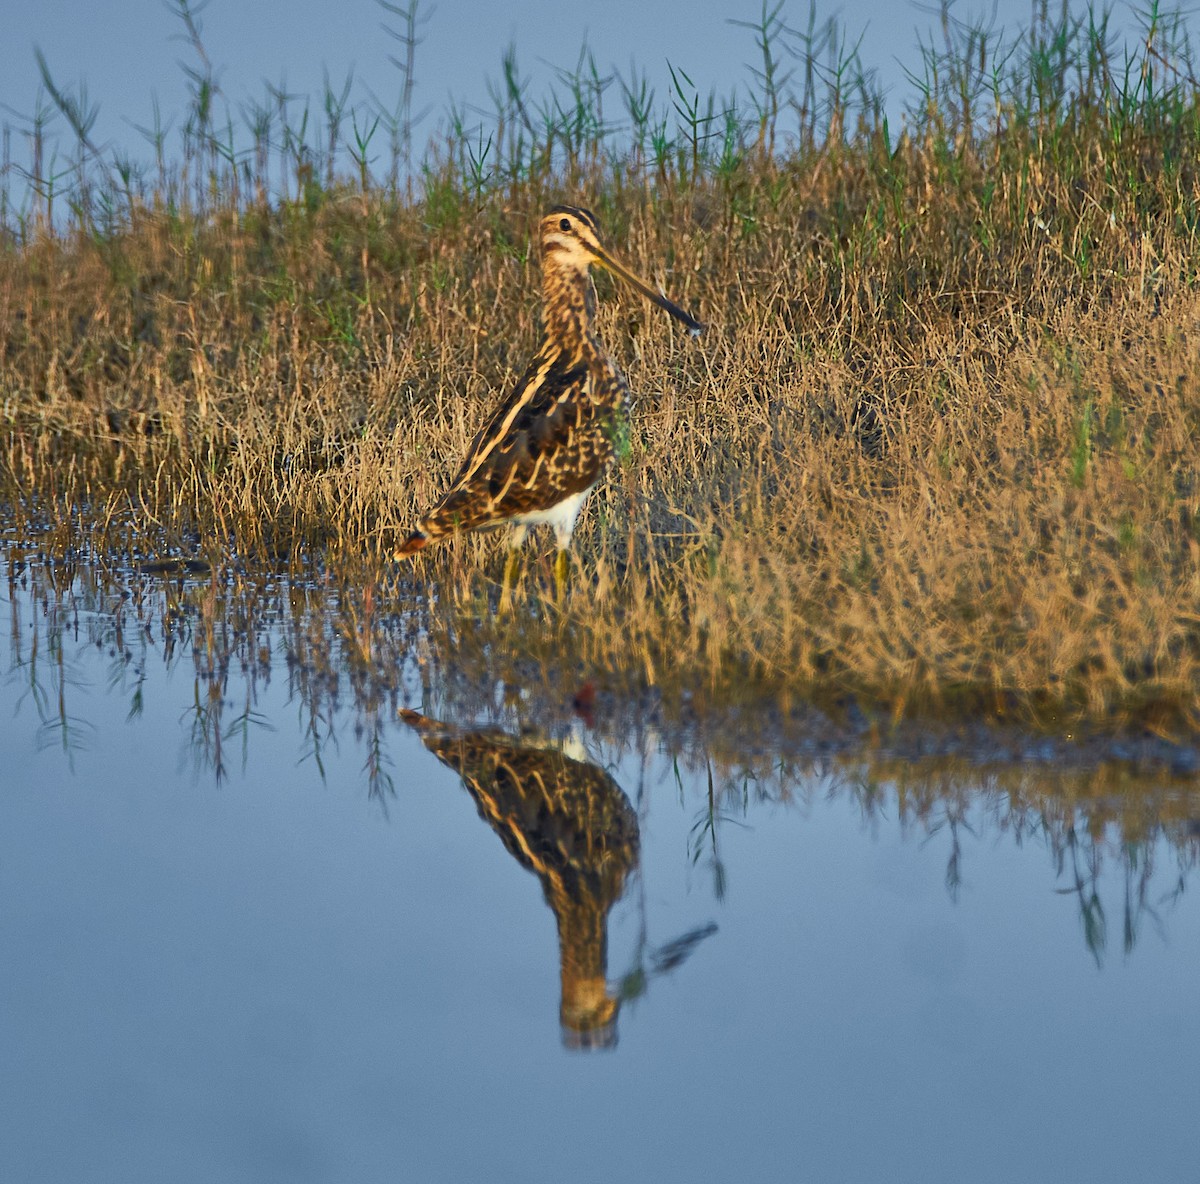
<point x="568" y="822"/>
<point x="548" y="443"/>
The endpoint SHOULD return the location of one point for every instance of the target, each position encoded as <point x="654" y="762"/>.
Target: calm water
<point x="255" y="925"/>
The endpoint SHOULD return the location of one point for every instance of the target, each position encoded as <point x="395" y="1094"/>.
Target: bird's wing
<point x="547" y="440"/>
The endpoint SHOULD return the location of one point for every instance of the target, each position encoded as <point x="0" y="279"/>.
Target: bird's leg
<point x="562" y="536"/>
<point x="560" y="574"/>
<point x="512" y="568"/>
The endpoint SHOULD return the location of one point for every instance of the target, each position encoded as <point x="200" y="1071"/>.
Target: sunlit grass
<point x="937" y="447"/>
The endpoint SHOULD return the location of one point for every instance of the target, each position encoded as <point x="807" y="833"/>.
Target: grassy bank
<point x="938" y="445"/>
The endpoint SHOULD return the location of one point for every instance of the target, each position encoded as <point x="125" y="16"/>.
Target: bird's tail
<point x="411" y="545"/>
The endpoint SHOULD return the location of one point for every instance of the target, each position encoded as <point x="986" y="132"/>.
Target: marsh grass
<point x="937" y="448"/>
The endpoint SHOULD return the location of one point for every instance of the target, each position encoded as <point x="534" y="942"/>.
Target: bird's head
<point x="570" y="241"/>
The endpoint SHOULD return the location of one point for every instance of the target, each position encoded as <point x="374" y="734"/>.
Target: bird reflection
<point x="569" y="822"/>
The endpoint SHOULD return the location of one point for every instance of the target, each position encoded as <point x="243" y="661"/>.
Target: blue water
<point x="272" y="968"/>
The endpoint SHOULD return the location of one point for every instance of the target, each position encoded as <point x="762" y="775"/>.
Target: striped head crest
<point x="570" y="237"/>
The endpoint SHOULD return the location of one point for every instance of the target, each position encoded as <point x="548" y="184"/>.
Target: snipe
<point x="549" y="442"/>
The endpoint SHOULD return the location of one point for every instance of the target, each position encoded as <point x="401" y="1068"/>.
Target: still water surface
<point x="258" y="925"/>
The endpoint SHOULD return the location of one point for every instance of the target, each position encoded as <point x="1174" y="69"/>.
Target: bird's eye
<point x="565" y="224"/>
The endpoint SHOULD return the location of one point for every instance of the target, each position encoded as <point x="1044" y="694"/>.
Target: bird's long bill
<point x="618" y="268"/>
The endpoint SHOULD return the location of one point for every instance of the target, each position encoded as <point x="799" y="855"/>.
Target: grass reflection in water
<point x="1117" y="819"/>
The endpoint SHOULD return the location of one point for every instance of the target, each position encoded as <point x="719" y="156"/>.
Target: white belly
<point x="561" y="516"/>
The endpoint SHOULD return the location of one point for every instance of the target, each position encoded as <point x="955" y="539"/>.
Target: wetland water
<point x="261" y="922"/>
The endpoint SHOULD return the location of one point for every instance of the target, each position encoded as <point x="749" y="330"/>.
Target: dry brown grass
<point x="938" y="446"/>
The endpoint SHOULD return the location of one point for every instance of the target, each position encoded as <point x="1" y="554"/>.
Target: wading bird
<point x="548" y="443"/>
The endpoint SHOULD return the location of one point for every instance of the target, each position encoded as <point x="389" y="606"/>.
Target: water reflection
<point x="568" y="822"/>
<point x="1121" y="841"/>
<point x="243" y="964"/>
